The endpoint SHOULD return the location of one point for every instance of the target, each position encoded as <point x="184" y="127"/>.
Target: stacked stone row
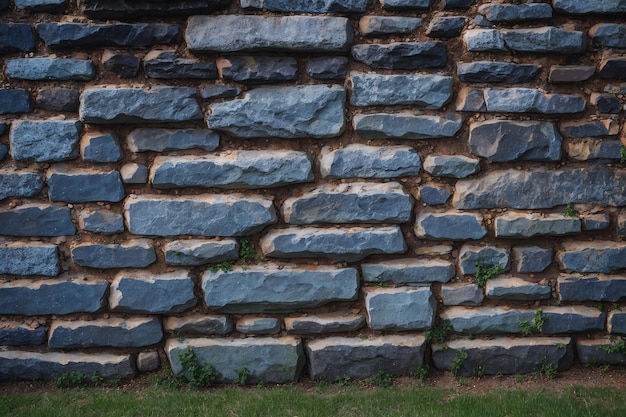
<point x="374" y="153"/>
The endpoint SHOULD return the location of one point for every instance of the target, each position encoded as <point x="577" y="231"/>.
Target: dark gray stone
<point x="613" y="67"/>
<point x="356" y="202"/>
<point x="578" y="7"/>
<point x="195" y="252"/>
<point x="36" y="220"/>
<point x="596" y="256"/>
<point x="571" y="73"/>
<point x="327" y="68"/>
<point x="270" y="288"/>
<point x="59" y="99"/>
<point x="18" y="183"/>
<point x="163" y="140"/>
<point x="258" y="325"/>
<point x="198" y="324"/>
<point x="101" y="221"/>
<point x="15" y="100"/>
<point x="594" y="352"/>
<point x="433" y="195"/>
<point x="202" y="215"/>
<point x="446" y="26"/>
<point x="45" y="140"/>
<point x="3" y="128"/>
<point x="608" y="35"/>
<point x="616" y="322"/>
<point x="470" y="256"/>
<point x="526" y="225"/>
<point x="57" y="69"/>
<point x="486" y="320"/>
<point x="32" y="258"/>
<point x="53" y="296"/>
<point x="81" y="185"/>
<point x="462" y="295"/>
<point x="409" y="271"/>
<point x="595" y="128"/>
<point x="263" y="33"/>
<point x="4" y="4"/>
<point x="572" y="319"/>
<point x="258" y="69"/>
<point x="576" y="287"/>
<point x="164" y="65"/>
<point x="400" y="309"/>
<point x="287" y="112"/>
<point x="124" y="65"/>
<point x="4" y="150"/>
<point x="515" y="12"/>
<point x="17" y="334"/>
<point x="388" y="25"/>
<point x="596" y="222"/>
<point x="406" y="126"/>
<point x="100" y="147"/>
<point x="496" y="72"/>
<point x="67" y="34"/>
<point x="405" y="4"/>
<point x="402" y="55"/>
<point x="591" y="149"/>
<point x="148" y="361"/>
<point x="16" y="37"/>
<point x="145" y="293"/>
<point x="457" y="4"/>
<point x="324" y="323"/>
<point x="363" y="161"/>
<point x="219" y="91"/>
<point x="111" y="332"/>
<point x="471" y="99"/>
<point x="136" y="253"/>
<point x="455" y="166"/>
<point x="305" y="6"/>
<point x="115" y="9"/>
<point x="512" y="288"/>
<point x="137" y="105"/>
<point x="530" y="259"/>
<point x="449" y="226"/>
<point x="606" y="103"/>
<point x="133" y="173"/>
<point x="529" y="100"/>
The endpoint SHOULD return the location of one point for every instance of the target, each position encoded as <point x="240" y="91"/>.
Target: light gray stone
<point x="595" y="352"/>
<point x="406" y="126"/>
<point x="148" y="361"/>
<point x="136" y="253"/>
<point x="194" y="252"/>
<point x="14" y="333"/>
<point x="600" y="221"/>
<point x="305" y="6"/>
<point x="388" y="25"/>
<point x="513" y="288"/>
<point x="496" y="72"/>
<point x="572" y="319"/>
<point x="577" y="7"/>
<point x="402" y="55"/>
<point x="593" y="149"/>
<point x="484" y="40"/>
<point x="269" y="288"/>
<point x="616" y="322"/>
<point x="409" y="271"/>
<point x="471" y="255"/>
<point x="577" y="287"/>
<point x="198" y="324"/>
<point x="100" y="147"/>
<point x="526" y="225"/>
<point x="400" y="309"/>
<point x="545" y="39"/>
<point x="45" y="140"/>
<point x="449" y="225"/>
<point x="529" y="259"/>
<point x="515" y="12"/>
<point x="162" y="140"/>
<point x="363" y="161"/>
<point x="595" y="256"/>
<point x="29" y="258"/>
<point x="258" y="69"/>
<point x="101" y="221"/>
<point x="529" y="100"/>
<point x="133" y="173"/>
<point x="57" y="69"/>
<point x="455" y="166"/>
<point x="81" y="185"/>
<point x="324" y="323"/>
<point x="258" y="325"/>
<point x="36" y="220"/>
<point x="462" y="294"/>
<point x="19" y="183"/>
<point x="608" y="35"/>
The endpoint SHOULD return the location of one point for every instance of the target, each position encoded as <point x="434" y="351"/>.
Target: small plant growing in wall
<point x="421" y="372"/>
<point x="77" y="380"/>
<point x="381" y="379"/>
<point x="439" y="333"/>
<point x="546" y="370"/>
<point x="569" y="211"/>
<point x="486" y="272"/>
<point x="459" y="357"/>
<point x="197" y="374"/>
<point x="242" y="375"/>
<point x="616" y="346"/>
<point x="622" y="155"/>
<point x="535" y="325"/>
<point x="247" y="254"/>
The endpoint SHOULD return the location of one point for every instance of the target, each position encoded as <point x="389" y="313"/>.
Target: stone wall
<point x="311" y="189"/>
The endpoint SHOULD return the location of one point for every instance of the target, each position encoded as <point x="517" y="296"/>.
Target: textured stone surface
<point x="57" y="69"/>
<point x="400" y="309"/>
<point x="101" y="221"/>
<point x="334" y="357"/>
<point x="616" y="322"/>
<point x="36" y="220"/>
<point x="235" y="169"/>
<point x="267" y="359"/>
<point x="137" y="253"/>
<point x="163" y="140"/>
<point x="287" y="112"/>
<point x="572" y="319"/>
<point x="402" y="55"/>
<point x="492" y="320"/>
<point x="195" y="252"/>
<point x="457" y="4"/>
<point x="348" y="244"/>
<point x="596" y="256"/>
<point x="515" y="12"/>
<point x="609" y="35"/>
<point x="612" y="67"/>
<point x="597" y="222"/>
<point x="123" y="65"/>
<point x="470" y="256"/>
<point x="53" y="296"/>
<point x="356" y="202"/>
<point x="435" y="194"/>
<point x="496" y="72"/>
<point x="570" y="73"/>
<point x="198" y="324"/>
<point x="15" y="100"/>
<point x="32" y="258"/>
<point x="133" y="173"/>
<point x="605" y="103"/>
<point x="219" y="91"/>
<point x="19" y="183"/>
<point x="446" y="26"/>
<point x="595" y="128"/>
<point x="591" y="149"/>
<point x="258" y="69"/>
<point x="327" y="68"/>
<point x="449" y="225"/>
<point x="100" y="147"/>
<point x="16" y="37"/>
<point x="258" y="325"/>
<point x="261" y="33"/>
<point x="387" y="25"/>
<point x="304" y="6"/>
<point x="45" y="141"/>
<point x="80" y="185"/>
<point x="592" y="352"/>
<point x="202" y="215"/>
<point x="406" y="126"/>
<point x="577" y="7"/>
<point x="545" y="39"/>
<point x="577" y="287"/>
<point x="512" y="288"/>
<point x="406" y="4"/>
<point x="529" y="259"/>
<point x="145" y="293"/>
<point x="163" y="64"/>
<point x="363" y="161"/>
<point x="148" y="361"/>
<point x="324" y="323"/>
<point x="268" y="288"/>
<point x="60" y="99"/>
<point x="16" y="334"/>
<point x="409" y="271"/>
<point x="455" y="166"/>
<point x="462" y="295"/>
<point x="114" y="9"/>
<point x="66" y="34"/>
<point x="529" y="100"/>
<point x="526" y="225"/>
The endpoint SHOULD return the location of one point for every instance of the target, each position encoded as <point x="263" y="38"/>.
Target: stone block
<point x="490" y="320"/>
<point x="600" y="7"/>
<point x="496" y="72"/>
<point x="45" y="140"/>
<point x="17" y="334"/>
<point x="616" y="322"/>
<point x="163" y="140"/>
<point x="545" y="39"/>
<point x="258" y="325"/>
<point x="388" y="25"/>
<point x="455" y="166"/>
<point x="57" y="69"/>
<point x="406" y="4"/>
<point x="471" y="255"/>
<point x="69" y="34"/>
<point x="606" y="103"/>
<point x="36" y="220"/>
<point x="612" y="67"/>
<point x="194" y="252"/>
<point x="596" y="221"/>
<point x="123" y="65"/>
<point x="400" y="309"/>
<point x="525" y="225"/>
<point x="406" y="126"/>
<point x="449" y="225"/>
<point x="31" y="258"/>
<point x="219" y="91"/>
<point x="512" y="288"/>
<point x="446" y="26"/>
<point x="15" y="100"/>
<point x="608" y="35"/>
<point x="530" y="259"/>
<point x="81" y="185"/>
<point x="577" y="287"/>
<point x="101" y="221"/>
<point x="595" y="352"/>
<point x="595" y="128"/>
<point x="363" y="161"/>
<point x="433" y="195"/>
<point x="133" y="173"/>
<point x="269" y="288"/>
<point x="402" y="55"/>
<point x="572" y="319"/>
<point x="19" y="183"/>
<point x="324" y="323"/>
<point x="327" y="68"/>
<point x="515" y="12"/>
<point x="119" y="10"/>
<point x="409" y="271"/>
<point x="457" y="4"/>
<point x="59" y="99"/>
<point x="304" y="6"/>
<point x="100" y="147"/>
<point x="461" y="295"/>
<point x="137" y="253"/>
<point x="148" y="361"/>
<point x="484" y="40"/>
<point x="571" y="73"/>
<point x="16" y="37"/>
<point x="198" y="324"/>
<point x="595" y="256"/>
<point x="593" y="149"/>
<point x="258" y="69"/>
<point x="529" y="100"/>
<point x="163" y="64"/>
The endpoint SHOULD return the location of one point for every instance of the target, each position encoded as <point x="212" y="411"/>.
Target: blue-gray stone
<point x="530" y="259"/>
<point x="101" y="221"/>
<point x="137" y="105"/>
<point x="262" y="33"/>
<point x="57" y="69"/>
<point x="526" y="225"/>
<point x="286" y="112"/>
<point x="198" y="324"/>
<point x="306" y="6"/>
<point x="164" y="65"/>
<point x="219" y="91"/>
<point x="512" y="288"/>
<point x="45" y="140"/>
<point x="259" y="325"/>
<point x="32" y="258"/>
<point x="405" y="4"/>
<point x="571" y="73"/>
<point x="388" y="25"/>
<point x="15" y="334"/>
<point x="515" y="12"/>
<point x="406" y="126"/>
<point x="17" y="183"/>
<point x="69" y="34"/>
<point x="446" y="26"/>
<point x="400" y="309"/>
<point x="409" y="271"/>
<point x="576" y="287"/>
<point x="482" y="21"/>
<point x="363" y="161"/>
<point x="356" y="202"/>
<point x="4" y="150"/>
<point x="457" y="4"/>
<point x="195" y="252"/>
<point x="470" y="256"/>
<point x="581" y="7"/>
<point x="347" y="244"/>
<point x="324" y="323"/>
<point x="120" y="10"/>
<point x="433" y="195"/>
<point x="36" y="220"/>
<point x="621" y="224"/>
<point x="52" y="6"/>
<point x="491" y="320"/>
<point x="462" y="294"/>
<point x="270" y="288"/>
<point x="123" y="65"/>
<point x="600" y="221"/>
<point x="496" y="72"/>
<point x="545" y="39"/>
<point x="258" y="69"/>
<point x="327" y="68"/>
<point x="613" y="67"/>
<point x="608" y="35"/>
<point x="59" y="99"/>
<point x="201" y="215"/>
<point x="110" y="332"/>
<point x="163" y="140"/>
<point x="133" y="173"/>
<point x="145" y="293"/>
<point x="101" y="147"/>
<point x="424" y="90"/>
<point x="595" y="352"/>
<point x="16" y="37"/>
<point x="53" y="296"/>
<point x="529" y="100"/>
<point x="596" y="256"/>
<point x="15" y="100"/>
<point x="455" y="166"/>
<point x="595" y="128"/>
<point x="606" y="103"/>
<point x="484" y="40"/>
<point x="616" y="322"/>
<point x="572" y="319"/>
<point x="449" y="226"/>
<point x="136" y="253"/>
<point x="234" y="169"/>
<point x="3" y="128"/>
<point x="332" y="358"/>
<point x="591" y="149"/>
<point x="80" y="185"/>
<point x="402" y="55"/>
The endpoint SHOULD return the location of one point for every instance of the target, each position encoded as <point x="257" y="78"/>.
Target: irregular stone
<point x="515" y="12"/>
<point x="529" y="259"/>
<point x="324" y="323"/>
<point x="17" y="334"/>
<point x="198" y="324"/>
<point x="571" y="73"/>
<point x="512" y="288"/>
<point x="100" y="147"/>
<point x="470" y="256"/>
<point x="202" y="215"/>
<point x="621" y="224"/>
<point x="455" y="166"/>
<point x="261" y="33"/>
<point x="45" y="140"/>
<point x="605" y="103"/>
<point x="577" y="7"/>
<point x="363" y="161"/>
<point x="510" y="140"/>
<point x="18" y="183"/>
<point x="32" y="258"/>
<point x="591" y="149"/>
<point x="471" y="99"/>
<point x="435" y="194"/>
<point x="48" y="366"/>
<point x="68" y="34"/>
<point x="356" y="202"/>
<point x="388" y="25"/>
<point x="486" y="319"/>
<point x="36" y="220"/>
<point x="526" y="225"/>
<point x="52" y="296"/>
<point x="613" y="67"/>
<point x="124" y="65"/>
<point x="608" y="35"/>
<point x="16" y="37"/>
<point x="400" y="309"/>
<point x="347" y="244"/>
<point x="58" y="69"/>
<point x="402" y="55"/>
<point x="196" y="252"/>
<point x="258" y="325"/>
<point x="334" y="357"/>
<point x="287" y="112"/>
<point x="114" y="9"/>
<point x="304" y="6"/>
<point x="269" y="288"/>
<point x="163" y="140"/>
<point x="603" y="127"/>
<point x="616" y="322"/>
<point x="148" y="361"/>
<point x="496" y="72"/>
<point x="81" y="185"/>
<point x="137" y="105"/>
<point x="235" y="169"/>
<point x="572" y="319"/>
<point x="133" y="173"/>
<point x="58" y="99"/>
<point x="111" y="332"/>
<point x="558" y="187"/>
<point x="145" y="293"/>
<point x="576" y="287"/>
<point x="506" y="356"/>
<point x="258" y="69"/>
<point x="428" y="91"/>
<point x="596" y="256"/>
<point x="219" y="91"/>
<point x="446" y="26"/>
<point x="592" y="352"/>
<point x="529" y="100"/>
<point x="163" y="64"/>
<point x="137" y="253"/>
<point x="409" y="271"/>
<point x="405" y="4"/>
<point x="15" y="100"/>
<point x="406" y="126"/>
<point x="267" y="359"/>
<point x="101" y="221"/>
<point x="327" y="68"/>
<point x="449" y="225"/>
<point x="545" y="39"/>
<point x="597" y="222"/>
<point x="484" y="40"/>
<point x="462" y="295"/>
<point x="457" y="4"/>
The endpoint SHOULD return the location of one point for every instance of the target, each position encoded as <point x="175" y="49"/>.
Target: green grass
<point x="352" y="400"/>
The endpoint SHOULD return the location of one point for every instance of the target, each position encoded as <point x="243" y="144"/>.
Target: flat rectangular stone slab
<point x="526" y="225"/>
<point x="409" y="271"/>
<point x="595" y="352"/>
<point x="406" y="126"/>
<point x="29" y="259"/>
<point x="428" y="91"/>
<point x="70" y="34"/>
<point x="37" y="220"/>
<point x="81" y="185"/>
<point x="132" y="253"/>
<point x="45" y="140"/>
<point x="363" y="161"/>
<point x="400" y="309"/>
<point x="19" y="183"/>
<point x="596" y="256"/>
<point x="58" y="69"/>
<point x="578" y="287"/>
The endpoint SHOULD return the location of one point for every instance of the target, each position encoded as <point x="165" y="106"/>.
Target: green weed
<point x="535" y="325"/>
<point x="439" y="334"/>
<point x="616" y="346"/>
<point x="486" y="272"/>
<point x="343" y="380"/>
<point x="569" y="211"/>
<point x="242" y="375"/>
<point x="459" y="357"/>
<point x="622" y="155"/>
<point x="546" y="370"/>
<point x="381" y="379"/>
<point x="197" y="374"/>
<point x="77" y="380"/>
<point x="421" y="372"/>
